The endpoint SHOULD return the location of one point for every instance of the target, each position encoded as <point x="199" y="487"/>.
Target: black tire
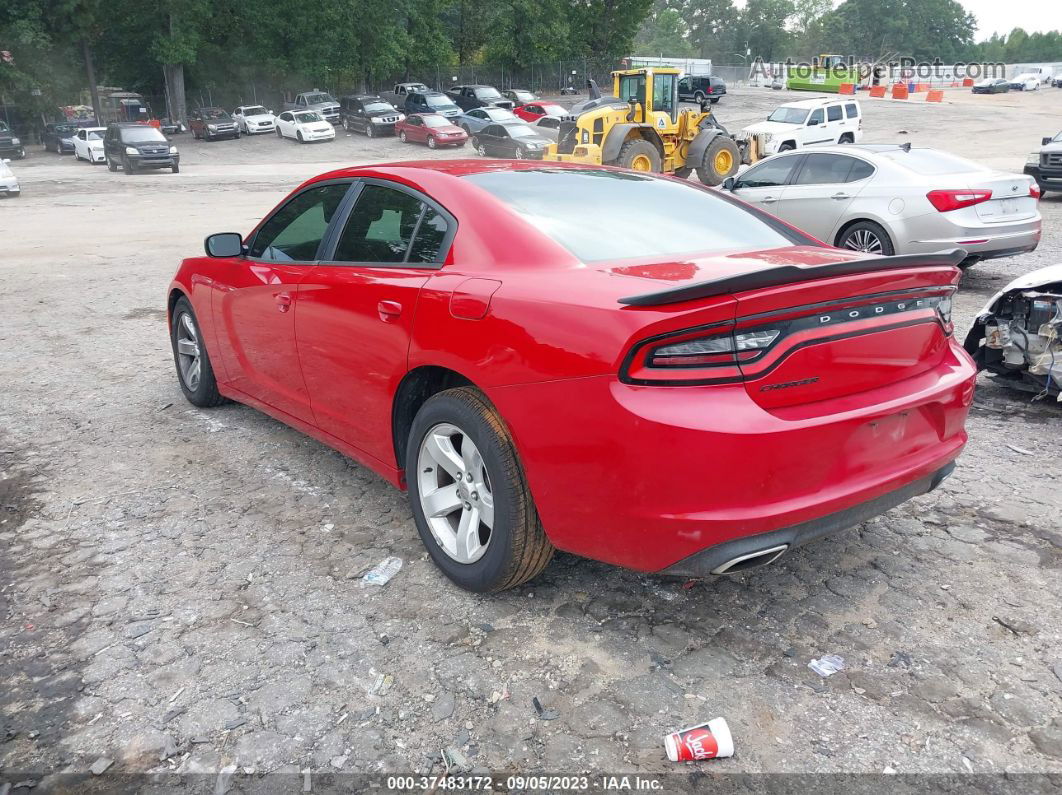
<point x="848" y="238"/>
<point x="127" y="166"/>
<point x="518" y="549"/>
<point x="298" y="134"/>
<point x="432" y="143"/>
<point x="682" y="173"/>
<point x="370" y="131"/>
<point x="206" y="394"/>
<point x="714" y="100"/>
<point x="846" y="138"/>
<point x="708" y="171"/>
<point x="786" y="147"/>
<point x="402" y="136"/>
<point x="279" y="133"/>
<point x="111" y="165"/>
<point x="176" y="169"/>
<point x="639" y="150"/>
<point x="699" y="97"/>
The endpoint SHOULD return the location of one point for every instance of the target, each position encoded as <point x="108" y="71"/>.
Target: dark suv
<point x="59" y="137"/>
<point x="10" y="144"/>
<point x="699" y="88"/>
<point x="369" y="114"/>
<point x="135" y="146"/>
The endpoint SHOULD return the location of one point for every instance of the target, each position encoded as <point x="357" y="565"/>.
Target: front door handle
<point x="283" y="301"/>
<point x="768" y="199"/>
<point x="840" y="196"/>
<point x="389" y="310"/>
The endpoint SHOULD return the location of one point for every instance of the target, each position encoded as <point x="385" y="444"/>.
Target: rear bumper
<point x="922" y="236"/>
<point x="648" y="477"/>
<point x="738" y="554"/>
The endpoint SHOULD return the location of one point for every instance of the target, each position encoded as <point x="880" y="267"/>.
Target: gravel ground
<point x="180" y="589"/>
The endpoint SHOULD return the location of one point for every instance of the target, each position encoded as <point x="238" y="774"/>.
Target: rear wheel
<point x="469" y="496"/>
<point x="698" y="97"/>
<point x="194" y="371"/>
<point x="866" y="236"/>
<point x="638" y="154"/>
<point x="721" y="160"/>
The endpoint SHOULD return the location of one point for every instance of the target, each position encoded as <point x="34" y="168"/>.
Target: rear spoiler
<point x="788" y="274"/>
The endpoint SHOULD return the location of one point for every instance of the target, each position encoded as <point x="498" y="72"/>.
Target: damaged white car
<point x="1016" y="336"/>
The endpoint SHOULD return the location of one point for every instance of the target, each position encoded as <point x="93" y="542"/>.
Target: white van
<point x="794" y="125"/>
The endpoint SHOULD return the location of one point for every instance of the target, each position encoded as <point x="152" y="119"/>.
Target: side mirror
<point x="729" y="183"/>
<point x="224" y="244"/>
<point x="1045" y="141"/>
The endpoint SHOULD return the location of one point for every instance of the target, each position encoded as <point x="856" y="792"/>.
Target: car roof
<point x="816" y="102"/>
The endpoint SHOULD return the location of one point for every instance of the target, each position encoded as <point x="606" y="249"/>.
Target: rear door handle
<point x="840" y="196"/>
<point x="283" y="301"/>
<point x="389" y="310"/>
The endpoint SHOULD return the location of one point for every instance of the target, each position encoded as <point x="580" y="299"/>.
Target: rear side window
<point x="851" y="110"/>
<point x="768" y="175"/>
<point x="607" y="215"/>
<point x="294" y="231"/>
<point x="386" y="225"/>
<point x="861" y="169"/>
<point x="822" y="169"/>
<point x="833" y="113"/>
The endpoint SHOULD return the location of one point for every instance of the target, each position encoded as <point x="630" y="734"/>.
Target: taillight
<point x="711" y="351"/>
<point x="1034" y="191"/>
<point x="947" y="200"/>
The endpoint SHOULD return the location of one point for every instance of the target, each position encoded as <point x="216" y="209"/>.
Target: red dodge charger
<point x="628" y="367"/>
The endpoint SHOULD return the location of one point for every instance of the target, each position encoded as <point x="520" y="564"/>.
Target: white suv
<point x="795" y="125"/>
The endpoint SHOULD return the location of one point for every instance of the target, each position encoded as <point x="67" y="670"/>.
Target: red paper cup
<point x="706" y="741"/>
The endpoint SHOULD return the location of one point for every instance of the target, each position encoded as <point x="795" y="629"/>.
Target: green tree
<point x="713" y="29"/>
<point x="763" y="26"/>
<point x="664" y="31"/>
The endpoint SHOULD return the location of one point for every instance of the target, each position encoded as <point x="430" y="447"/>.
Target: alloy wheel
<point x="863" y="240"/>
<point x="188" y="352"/>
<point x="455" y="493"/>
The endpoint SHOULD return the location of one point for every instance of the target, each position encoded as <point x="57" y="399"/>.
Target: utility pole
<point x="90" y="73"/>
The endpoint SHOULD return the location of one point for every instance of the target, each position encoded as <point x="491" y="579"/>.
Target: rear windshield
<point x="610" y="215"/>
<point x="932" y="162"/>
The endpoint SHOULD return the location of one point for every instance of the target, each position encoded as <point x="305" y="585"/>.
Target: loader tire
<point x="639" y="155"/>
<point x="721" y="160"/>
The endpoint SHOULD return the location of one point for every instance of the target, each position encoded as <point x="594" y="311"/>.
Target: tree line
<point x="801" y="29"/>
<point x="58" y="47"/>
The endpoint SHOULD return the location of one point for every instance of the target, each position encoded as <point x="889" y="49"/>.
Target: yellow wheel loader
<point x="641" y="127"/>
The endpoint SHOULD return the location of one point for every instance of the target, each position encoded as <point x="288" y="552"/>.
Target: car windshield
<point x="257" y="110"/>
<point x="932" y="162"/>
<point x="439" y="102"/>
<point x="5" y="170"/>
<point x="307" y="117"/>
<point x="378" y="107"/>
<point x="316" y="99"/>
<point x="614" y="215"/>
<point x="435" y="121"/>
<point x="66" y="129"/>
<point x="1058" y="137"/>
<point x="498" y="114"/>
<point x="142" y="135"/>
<point x="211" y="114"/>
<point x="487" y="93"/>
<point x="788" y="115"/>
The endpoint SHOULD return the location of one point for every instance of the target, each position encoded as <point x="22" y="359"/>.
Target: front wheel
<point x="299" y="136"/>
<point x="111" y="165"/>
<point x="478" y="146"/>
<point x="127" y="166"/>
<point x="470" y="499"/>
<point x="721" y="160"/>
<point x="370" y="131"/>
<point x="175" y="169"/>
<point x="194" y="371"/>
<point x="432" y="143"/>
<point x="402" y="136"/>
<point x="867" y="237"/>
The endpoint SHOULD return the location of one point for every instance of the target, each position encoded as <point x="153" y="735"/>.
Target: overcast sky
<point x="1002" y="16"/>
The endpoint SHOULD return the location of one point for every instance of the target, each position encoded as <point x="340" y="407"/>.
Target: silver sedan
<point x="886" y="199"/>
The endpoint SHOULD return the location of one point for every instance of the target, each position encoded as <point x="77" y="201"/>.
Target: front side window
<point x="788" y="115"/>
<point x="632" y="88"/>
<point x="295" y="231"/>
<point x="816" y="118"/>
<point x="771" y="174"/>
<point x="477" y="114"/>
<point x="380" y="226"/>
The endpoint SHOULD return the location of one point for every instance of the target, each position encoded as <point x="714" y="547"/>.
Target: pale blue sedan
<point x="472" y="121"/>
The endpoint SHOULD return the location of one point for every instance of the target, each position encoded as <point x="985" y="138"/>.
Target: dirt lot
<point x="180" y="592"/>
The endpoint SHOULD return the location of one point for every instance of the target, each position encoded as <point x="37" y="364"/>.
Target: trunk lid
<point x="1010" y="197"/>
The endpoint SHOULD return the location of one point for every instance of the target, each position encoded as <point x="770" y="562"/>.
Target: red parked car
<point x="432" y="129"/>
<point x="624" y="366"/>
<point x="533" y="111"/>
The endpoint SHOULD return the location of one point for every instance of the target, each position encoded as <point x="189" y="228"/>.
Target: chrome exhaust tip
<point x="761" y="557"/>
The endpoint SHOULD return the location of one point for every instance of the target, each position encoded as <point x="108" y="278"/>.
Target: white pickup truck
<point x="320" y="101"/>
